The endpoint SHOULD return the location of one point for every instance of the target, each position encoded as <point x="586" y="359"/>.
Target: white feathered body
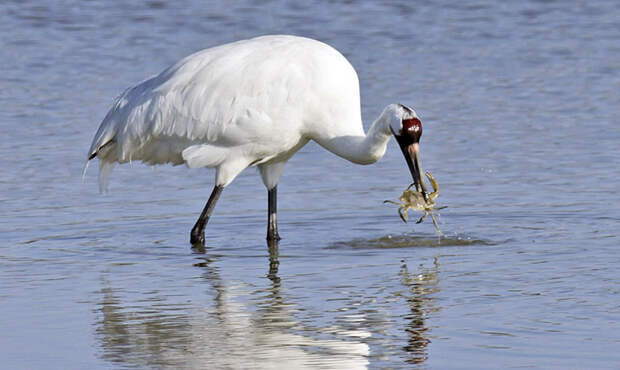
<point x="252" y="102"/>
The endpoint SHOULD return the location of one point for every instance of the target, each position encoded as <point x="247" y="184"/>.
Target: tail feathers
<point x="105" y="165"/>
<point x="84" y="169"/>
<point x="105" y="169"/>
<point x="100" y="150"/>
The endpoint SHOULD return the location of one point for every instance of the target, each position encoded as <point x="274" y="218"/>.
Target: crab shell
<point x="415" y="199"/>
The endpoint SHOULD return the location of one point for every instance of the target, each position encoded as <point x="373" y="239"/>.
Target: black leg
<point x="274" y="263"/>
<point x="272" y="214"/>
<point x="197" y="237"/>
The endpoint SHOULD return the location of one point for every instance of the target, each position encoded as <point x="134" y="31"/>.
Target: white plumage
<point x="252" y="102"/>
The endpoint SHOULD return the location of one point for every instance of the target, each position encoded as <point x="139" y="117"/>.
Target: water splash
<point x="410" y="241"/>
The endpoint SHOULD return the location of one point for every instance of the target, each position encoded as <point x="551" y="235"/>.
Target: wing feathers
<point x="204" y="155"/>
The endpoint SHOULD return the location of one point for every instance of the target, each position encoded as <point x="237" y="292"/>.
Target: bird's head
<point x="407" y="129"/>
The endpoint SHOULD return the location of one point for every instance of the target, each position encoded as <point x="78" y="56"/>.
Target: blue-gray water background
<point x="520" y="104"/>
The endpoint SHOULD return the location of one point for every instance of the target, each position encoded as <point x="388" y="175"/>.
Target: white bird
<point x="250" y="103"/>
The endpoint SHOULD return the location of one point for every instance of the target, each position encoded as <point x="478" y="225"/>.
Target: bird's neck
<point x="361" y="149"/>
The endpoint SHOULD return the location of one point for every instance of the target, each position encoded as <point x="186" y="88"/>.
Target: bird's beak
<point x="411" y="151"/>
<point x="416" y="172"/>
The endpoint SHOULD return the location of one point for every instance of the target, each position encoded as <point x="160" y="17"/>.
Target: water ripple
<point x="410" y="241"/>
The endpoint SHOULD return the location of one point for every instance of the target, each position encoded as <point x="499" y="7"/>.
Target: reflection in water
<point x="143" y="334"/>
<point x="421" y="287"/>
<point x="237" y="327"/>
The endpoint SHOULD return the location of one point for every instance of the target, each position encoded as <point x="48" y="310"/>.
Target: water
<point x="520" y="105"/>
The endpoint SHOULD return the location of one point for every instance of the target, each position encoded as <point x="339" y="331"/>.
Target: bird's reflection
<point x="242" y="323"/>
<point x="272" y="335"/>
<point x="140" y="336"/>
<point x="421" y="287"/>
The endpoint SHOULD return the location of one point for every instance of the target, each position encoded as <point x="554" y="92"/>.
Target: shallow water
<point x="520" y="105"/>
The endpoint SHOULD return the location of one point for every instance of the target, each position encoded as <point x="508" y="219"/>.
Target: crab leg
<point x="393" y="202"/>
<point x="435" y="223"/>
<point x="403" y="215"/>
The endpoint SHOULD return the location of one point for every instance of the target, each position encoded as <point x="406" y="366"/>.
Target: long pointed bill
<point x="411" y="151"/>
<point x="415" y="166"/>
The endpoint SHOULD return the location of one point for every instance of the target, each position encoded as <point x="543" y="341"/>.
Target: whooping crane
<point x="250" y="103"/>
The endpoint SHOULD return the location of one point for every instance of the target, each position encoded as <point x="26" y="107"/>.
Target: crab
<point x="411" y="199"/>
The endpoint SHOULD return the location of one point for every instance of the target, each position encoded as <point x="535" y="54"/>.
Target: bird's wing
<point x="260" y="90"/>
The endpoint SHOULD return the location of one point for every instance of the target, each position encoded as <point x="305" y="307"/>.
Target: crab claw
<point x="421" y="218"/>
<point x="434" y="184"/>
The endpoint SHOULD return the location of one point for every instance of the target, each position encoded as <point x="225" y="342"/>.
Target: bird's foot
<point x="197" y="237"/>
<point x="273" y="236"/>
